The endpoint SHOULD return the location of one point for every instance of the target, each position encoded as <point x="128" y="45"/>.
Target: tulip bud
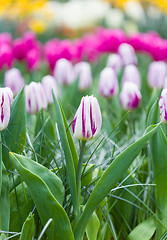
<point x="130" y="96"/>
<point x="49" y="83"/>
<point x="108" y="84"/>
<point x="163" y="106"/>
<point x="131" y="74"/>
<point x="114" y="61"/>
<point x="35" y="97"/>
<point x="83" y="71"/>
<point x="14" y="80"/>
<point x="127" y="54"/>
<point x="156" y="74"/>
<point x="64" y="72"/>
<point x="6" y="97"/>
<point x="87" y="121"/>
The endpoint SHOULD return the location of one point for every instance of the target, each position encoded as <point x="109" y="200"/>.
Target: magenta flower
<point x="87" y="121"/>
<point x="156" y="74"/>
<point x="114" y="61"/>
<point x="163" y="106"/>
<point x="33" y="59"/>
<point x="6" y="56"/>
<point x="108" y="83"/>
<point x="14" y="80"/>
<point x="35" y="97"/>
<point x="49" y="84"/>
<point x="131" y="74"/>
<point x="127" y="54"/>
<point x="130" y="96"/>
<point x="64" y="72"/>
<point x="83" y="72"/>
<point x="6" y="97"/>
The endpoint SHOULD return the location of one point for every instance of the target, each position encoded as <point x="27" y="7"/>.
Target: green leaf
<point x="68" y="156"/>
<point x="14" y="136"/>
<point x="92" y="227"/>
<point x="4" y="201"/>
<point x="28" y="228"/>
<point x="144" y="230"/>
<point x="43" y="187"/>
<point x="108" y="180"/>
<point x="46" y="139"/>
<point x="21" y="204"/>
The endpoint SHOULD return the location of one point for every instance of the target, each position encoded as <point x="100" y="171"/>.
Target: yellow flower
<point x="37" y="25"/>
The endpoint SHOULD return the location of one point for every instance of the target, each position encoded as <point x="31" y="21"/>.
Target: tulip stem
<point x="79" y="169"/>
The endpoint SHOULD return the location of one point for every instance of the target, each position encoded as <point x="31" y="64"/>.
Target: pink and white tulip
<point x="35" y="97"/>
<point x="131" y="74"/>
<point x="114" y="61"/>
<point x="163" y="106"/>
<point x="49" y="84"/>
<point x="87" y="121"/>
<point x="83" y="72"/>
<point x="130" y="96"/>
<point x="108" y="83"/>
<point x="64" y="72"/>
<point x="14" y="80"/>
<point x="6" y="97"/>
<point x="127" y="54"/>
<point x="156" y="74"/>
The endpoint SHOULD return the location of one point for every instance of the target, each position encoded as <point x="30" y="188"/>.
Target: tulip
<point x="127" y="54"/>
<point x="35" y="97"/>
<point x="49" y="84"/>
<point x="64" y="72"/>
<point x="83" y="71"/>
<point x="156" y="74"/>
<point x="6" y="55"/>
<point x="130" y="96"/>
<point x="163" y="106"/>
<point x="114" y="61"/>
<point x="33" y="59"/>
<point x="14" y="80"/>
<point x="131" y="74"/>
<point x="87" y="121"/>
<point x="108" y="84"/>
<point x="6" y="97"/>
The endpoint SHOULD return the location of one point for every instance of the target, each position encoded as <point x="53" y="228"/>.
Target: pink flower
<point x="131" y="74"/>
<point x="87" y="121"/>
<point x="83" y="72"/>
<point x="14" y="80"/>
<point x="114" y="61"/>
<point x="35" y="97"/>
<point x="49" y="84"/>
<point x="108" y="83"/>
<point x="127" y="54"/>
<point x="6" y="56"/>
<point x="130" y="96"/>
<point x="33" y="59"/>
<point x="163" y="106"/>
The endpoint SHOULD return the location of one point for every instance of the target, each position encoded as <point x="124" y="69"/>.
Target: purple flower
<point x="87" y="121"/>
<point x="130" y="96"/>
<point x="108" y="83"/>
<point x="14" y="80"/>
<point x="6" y="55"/>
<point x="131" y="74"/>
<point x="83" y="72"/>
<point x="64" y="72"/>
<point x="49" y="84"/>
<point x="156" y="74"/>
<point x="163" y="106"/>
<point x="114" y="61"/>
<point x="6" y="97"/>
<point x="35" y="97"/>
<point x="33" y="59"/>
<point x="127" y="54"/>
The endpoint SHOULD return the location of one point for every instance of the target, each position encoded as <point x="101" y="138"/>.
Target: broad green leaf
<point x="41" y="191"/>
<point x="28" y="228"/>
<point x="14" y="135"/>
<point x="53" y="182"/>
<point x="110" y="177"/>
<point x="68" y="157"/>
<point x="4" y="201"/>
<point x="45" y="140"/>
<point x="144" y="230"/>
<point x="92" y="227"/>
<point x="21" y="204"/>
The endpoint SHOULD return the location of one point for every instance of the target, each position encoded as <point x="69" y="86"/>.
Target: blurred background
<point x="62" y="19"/>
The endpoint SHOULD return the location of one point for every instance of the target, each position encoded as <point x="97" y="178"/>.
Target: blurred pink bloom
<point x="131" y="74"/>
<point x="14" y="80"/>
<point x="49" y="84"/>
<point x="6" y="56"/>
<point x="33" y="59"/>
<point x="127" y="54"/>
<point x="83" y="72"/>
<point x="114" y="61"/>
